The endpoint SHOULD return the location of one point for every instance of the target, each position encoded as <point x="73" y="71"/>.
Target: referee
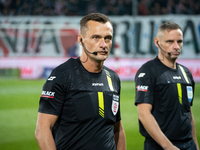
<point x="79" y="107"/>
<point x="164" y="96"/>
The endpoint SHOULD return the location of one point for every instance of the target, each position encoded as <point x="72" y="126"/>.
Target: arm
<point x="120" y="138"/>
<point x="152" y="126"/>
<point x="43" y="134"/>
<point x="194" y="130"/>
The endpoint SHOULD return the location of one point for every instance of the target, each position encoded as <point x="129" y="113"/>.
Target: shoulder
<point x="61" y="75"/>
<point x="148" y="70"/>
<point x="63" y="70"/>
<point x="149" y="65"/>
<point x="184" y="69"/>
<point x="66" y="66"/>
<point x="110" y="72"/>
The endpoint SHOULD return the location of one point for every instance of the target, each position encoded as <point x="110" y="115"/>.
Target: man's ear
<point x="156" y="40"/>
<point x="80" y="39"/>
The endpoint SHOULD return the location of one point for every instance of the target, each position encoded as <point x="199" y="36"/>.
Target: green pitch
<point x="19" y="100"/>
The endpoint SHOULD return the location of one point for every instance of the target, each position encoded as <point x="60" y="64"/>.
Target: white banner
<point x="57" y="36"/>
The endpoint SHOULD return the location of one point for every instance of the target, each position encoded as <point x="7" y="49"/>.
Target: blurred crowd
<point x="108" y="7"/>
<point x="64" y="7"/>
<point x="163" y="7"/>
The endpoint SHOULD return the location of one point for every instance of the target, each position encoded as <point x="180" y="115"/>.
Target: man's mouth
<point x="103" y="52"/>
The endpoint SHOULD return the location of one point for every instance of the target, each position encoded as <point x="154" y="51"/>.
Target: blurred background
<point x="38" y="35"/>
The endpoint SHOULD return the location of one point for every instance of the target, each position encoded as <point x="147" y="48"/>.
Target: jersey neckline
<point x="79" y="62"/>
<point x="175" y="70"/>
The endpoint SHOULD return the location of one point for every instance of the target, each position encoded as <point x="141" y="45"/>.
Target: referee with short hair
<point x="164" y="96"/>
<point x="80" y="104"/>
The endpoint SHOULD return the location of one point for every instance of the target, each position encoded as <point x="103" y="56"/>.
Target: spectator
<point x="1" y="8"/>
<point x="6" y="8"/>
<point x="59" y="7"/>
<point x="171" y="7"/>
<point x="143" y="7"/>
<point x="92" y="7"/>
<point x="26" y="9"/>
<point x="156" y="8"/>
<point x="197" y="7"/>
<point x="109" y="8"/>
<point x="128" y="6"/>
<point x="73" y="7"/>
<point x="121" y="9"/>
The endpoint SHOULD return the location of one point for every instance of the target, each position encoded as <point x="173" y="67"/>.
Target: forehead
<point x="98" y="27"/>
<point x="175" y="34"/>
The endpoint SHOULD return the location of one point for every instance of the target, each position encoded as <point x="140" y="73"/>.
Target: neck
<point x="171" y="63"/>
<point x="91" y="65"/>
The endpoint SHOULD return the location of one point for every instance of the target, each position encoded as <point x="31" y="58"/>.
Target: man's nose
<point x="103" y="43"/>
<point x="176" y="45"/>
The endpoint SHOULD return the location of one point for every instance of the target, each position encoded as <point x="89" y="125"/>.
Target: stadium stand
<point x="108" y="7"/>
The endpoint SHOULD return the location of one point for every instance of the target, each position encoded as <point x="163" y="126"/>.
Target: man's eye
<point x="180" y="41"/>
<point x="108" y="38"/>
<point x="169" y="42"/>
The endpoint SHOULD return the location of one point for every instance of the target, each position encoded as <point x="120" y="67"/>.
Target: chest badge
<point x="189" y="93"/>
<point x="115" y="104"/>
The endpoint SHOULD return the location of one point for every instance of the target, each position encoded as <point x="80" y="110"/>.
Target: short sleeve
<point x="53" y="94"/>
<point x="144" y="86"/>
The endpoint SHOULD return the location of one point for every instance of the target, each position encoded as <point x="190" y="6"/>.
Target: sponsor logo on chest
<point x="97" y="84"/>
<point x="177" y="77"/>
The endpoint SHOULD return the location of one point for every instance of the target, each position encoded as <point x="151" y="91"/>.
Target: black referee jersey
<point x="88" y="105"/>
<point x="170" y="92"/>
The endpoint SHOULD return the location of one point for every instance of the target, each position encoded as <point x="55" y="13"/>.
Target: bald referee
<point x="79" y="107"/>
<point x="164" y="96"/>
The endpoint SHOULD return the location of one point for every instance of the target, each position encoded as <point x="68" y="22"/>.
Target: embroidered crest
<point x="115" y="104"/>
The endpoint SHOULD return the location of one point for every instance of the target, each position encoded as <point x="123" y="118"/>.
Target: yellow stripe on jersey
<point x="110" y="83"/>
<point x="109" y="80"/>
<point x="184" y="74"/>
<point x="101" y="104"/>
<point x="179" y="92"/>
